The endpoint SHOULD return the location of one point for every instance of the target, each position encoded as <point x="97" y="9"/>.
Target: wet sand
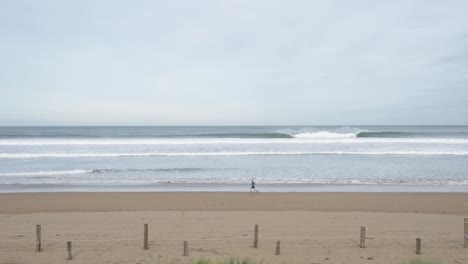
<point x="434" y="203"/>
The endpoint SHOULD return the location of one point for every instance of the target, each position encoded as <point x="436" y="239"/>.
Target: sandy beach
<point x="312" y="227"/>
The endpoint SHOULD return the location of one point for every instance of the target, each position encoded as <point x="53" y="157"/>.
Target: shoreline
<point x="431" y="203"/>
<point x="234" y="187"/>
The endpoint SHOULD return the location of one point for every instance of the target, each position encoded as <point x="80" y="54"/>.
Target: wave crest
<point x="324" y="134"/>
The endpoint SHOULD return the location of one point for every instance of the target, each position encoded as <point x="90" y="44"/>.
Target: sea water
<point x="280" y="158"/>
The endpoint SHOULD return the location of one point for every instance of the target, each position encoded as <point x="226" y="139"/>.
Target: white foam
<point x="324" y="134"/>
<point x="251" y="153"/>
<point x="46" y="173"/>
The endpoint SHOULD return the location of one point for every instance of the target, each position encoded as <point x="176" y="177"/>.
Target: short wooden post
<point x="145" y="237"/>
<point x="278" y="247"/>
<point x="418" y="246"/>
<point x="363" y="237"/>
<point x="256" y="236"/>
<point x="185" y="248"/>
<point x="466" y="232"/>
<point x="69" y="250"/>
<point x="38" y="238"/>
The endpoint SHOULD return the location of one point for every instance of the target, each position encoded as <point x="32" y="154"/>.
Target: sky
<point x="241" y="62"/>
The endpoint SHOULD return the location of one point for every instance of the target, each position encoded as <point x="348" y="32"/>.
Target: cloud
<point x="242" y="62"/>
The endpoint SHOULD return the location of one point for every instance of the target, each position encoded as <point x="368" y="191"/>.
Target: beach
<point x="233" y="132"/>
<point x="312" y="227"/>
<point x="320" y="187"/>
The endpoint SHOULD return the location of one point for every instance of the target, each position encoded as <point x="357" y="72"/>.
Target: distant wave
<point x="393" y="134"/>
<point x="193" y="154"/>
<point x="130" y="136"/>
<point x="254" y="132"/>
<point x="241" y="135"/>
<point x="304" y="138"/>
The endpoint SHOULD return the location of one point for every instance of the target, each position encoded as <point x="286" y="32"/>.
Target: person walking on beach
<point x="252" y="187"/>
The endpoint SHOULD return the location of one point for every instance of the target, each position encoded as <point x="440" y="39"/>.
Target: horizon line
<point x="335" y="125"/>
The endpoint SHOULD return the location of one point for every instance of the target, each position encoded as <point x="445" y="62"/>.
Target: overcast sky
<point x="234" y="62"/>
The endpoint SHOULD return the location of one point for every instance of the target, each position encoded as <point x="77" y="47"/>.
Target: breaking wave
<point x="324" y="134"/>
<point x="46" y="173"/>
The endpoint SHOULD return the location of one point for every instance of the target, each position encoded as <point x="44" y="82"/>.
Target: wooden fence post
<point x="466" y="232"/>
<point x="69" y="250"/>
<point x="278" y="247"/>
<point x="363" y="237"/>
<point x="256" y="236"/>
<point x="418" y="246"/>
<point x="185" y="248"/>
<point x="145" y="237"/>
<point x="38" y="238"/>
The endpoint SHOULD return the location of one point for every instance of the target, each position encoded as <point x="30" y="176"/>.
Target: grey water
<point x="280" y="158"/>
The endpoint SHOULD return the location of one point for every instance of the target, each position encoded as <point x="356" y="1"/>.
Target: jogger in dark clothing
<point x="252" y="188"/>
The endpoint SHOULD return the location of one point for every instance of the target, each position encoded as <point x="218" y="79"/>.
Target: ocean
<point x="225" y="158"/>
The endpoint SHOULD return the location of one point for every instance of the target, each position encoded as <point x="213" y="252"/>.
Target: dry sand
<point x="312" y="227"/>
